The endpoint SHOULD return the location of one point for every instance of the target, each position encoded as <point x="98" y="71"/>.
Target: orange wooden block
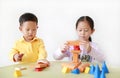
<point x="75" y="51"/>
<point x="71" y="43"/>
<point x="71" y="66"/>
<point x="75" y="58"/>
<point x="83" y="66"/>
<point x="41" y="65"/>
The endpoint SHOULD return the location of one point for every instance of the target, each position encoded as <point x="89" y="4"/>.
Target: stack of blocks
<point x="77" y="66"/>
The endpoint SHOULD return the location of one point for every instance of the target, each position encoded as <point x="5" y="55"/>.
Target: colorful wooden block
<point x="75" y="71"/>
<point x="87" y="69"/>
<point x="65" y="70"/>
<point x="38" y="69"/>
<point x="17" y="73"/>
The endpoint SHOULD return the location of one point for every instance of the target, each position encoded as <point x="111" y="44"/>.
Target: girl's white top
<point x="95" y="53"/>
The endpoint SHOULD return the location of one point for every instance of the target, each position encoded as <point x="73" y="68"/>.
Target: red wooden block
<point x="38" y="69"/>
<point x="76" y="47"/>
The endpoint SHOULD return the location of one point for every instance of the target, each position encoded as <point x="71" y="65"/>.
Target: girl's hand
<point x="18" y="57"/>
<point x="85" y="45"/>
<point x="64" y="47"/>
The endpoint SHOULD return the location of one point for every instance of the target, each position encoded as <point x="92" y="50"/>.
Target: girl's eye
<point x="86" y="30"/>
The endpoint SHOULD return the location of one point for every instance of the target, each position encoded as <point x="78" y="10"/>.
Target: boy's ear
<point x="20" y="28"/>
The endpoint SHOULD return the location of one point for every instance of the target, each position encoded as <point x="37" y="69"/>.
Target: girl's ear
<point x="37" y="27"/>
<point x="93" y="31"/>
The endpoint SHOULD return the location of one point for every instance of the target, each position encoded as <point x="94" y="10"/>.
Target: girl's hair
<point x="27" y="17"/>
<point x="87" y="19"/>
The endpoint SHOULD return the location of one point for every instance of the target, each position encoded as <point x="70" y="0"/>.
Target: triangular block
<point x="97" y="72"/>
<point x="75" y="71"/>
<point x="104" y="67"/>
<point x="92" y="69"/>
<point x="102" y="74"/>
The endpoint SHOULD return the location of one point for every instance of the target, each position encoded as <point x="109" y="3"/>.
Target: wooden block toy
<point x="75" y="51"/>
<point x="102" y="75"/>
<point x="87" y="69"/>
<point x="75" y="56"/>
<point x="97" y="72"/>
<point x="71" y="65"/>
<point x="92" y="69"/>
<point x="75" y="71"/>
<point x="104" y="67"/>
<point x="71" y="43"/>
<point x="41" y="65"/>
<point x="76" y="47"/>
<point x="38" y="69"/>
<point x="65" y="70"/>
<point x="83" y="66"/>
<point x="17" y="73"/>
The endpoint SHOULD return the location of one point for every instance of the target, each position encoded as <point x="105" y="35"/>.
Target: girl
<point x="89" y="50"/>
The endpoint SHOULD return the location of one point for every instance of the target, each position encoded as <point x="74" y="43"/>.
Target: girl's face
<point x="29" y="30"/>
<point x="84" y="31"/>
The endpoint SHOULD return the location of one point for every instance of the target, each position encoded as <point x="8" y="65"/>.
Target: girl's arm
<point x="58" y="55"/>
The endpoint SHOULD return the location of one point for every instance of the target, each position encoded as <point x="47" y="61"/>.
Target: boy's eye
<point x="27" y="29"/>
<point x="34" y="29"/>
<point x="80" y="30"/>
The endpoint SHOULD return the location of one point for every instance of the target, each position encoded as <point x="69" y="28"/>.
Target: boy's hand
<point x="43" y="61"/>
<point x="64" y="47"/>
<point x="18" y="57"/>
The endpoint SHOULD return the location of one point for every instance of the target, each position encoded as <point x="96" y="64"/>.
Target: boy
<point x="29" y="48"/>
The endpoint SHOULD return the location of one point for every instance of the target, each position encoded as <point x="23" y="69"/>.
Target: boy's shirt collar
<point x="23" y="40"/>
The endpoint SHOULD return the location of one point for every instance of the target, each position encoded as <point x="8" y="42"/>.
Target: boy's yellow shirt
<point x="32" y="51"/>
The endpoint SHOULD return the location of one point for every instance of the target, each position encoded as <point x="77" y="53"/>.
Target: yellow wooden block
<point x="17" y="73"/>
<point x="65" y="70"/>
<point x="87" y="69"/>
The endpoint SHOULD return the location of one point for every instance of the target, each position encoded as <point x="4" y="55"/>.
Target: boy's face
<point x="29" y="30"/>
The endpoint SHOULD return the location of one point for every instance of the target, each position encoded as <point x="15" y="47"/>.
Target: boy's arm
<point x="42" y="51"/>
<point x="13" y="52"/>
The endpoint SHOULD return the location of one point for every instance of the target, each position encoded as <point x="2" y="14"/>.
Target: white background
<point x="57" y="20"/>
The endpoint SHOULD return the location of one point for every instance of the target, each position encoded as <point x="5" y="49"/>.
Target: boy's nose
<point x="30" y="32"/>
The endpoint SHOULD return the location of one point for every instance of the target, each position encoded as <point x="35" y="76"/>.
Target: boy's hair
<point x="27" y="17"/>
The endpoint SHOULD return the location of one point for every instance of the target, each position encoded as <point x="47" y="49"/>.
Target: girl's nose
<point x="83" y="32"/>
